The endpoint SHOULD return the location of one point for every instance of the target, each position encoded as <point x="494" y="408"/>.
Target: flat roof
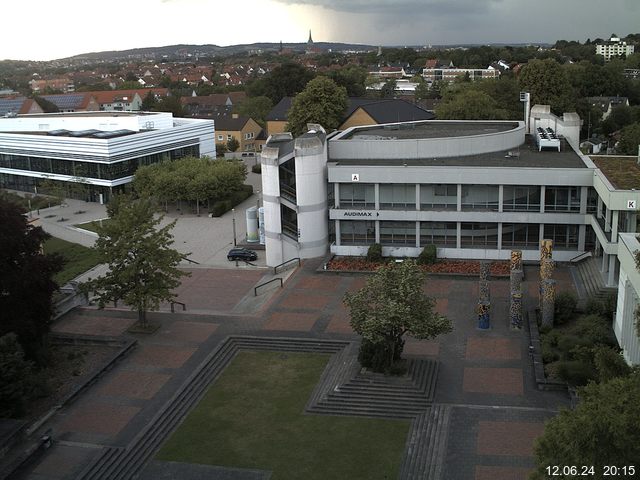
<point x="527" y="155"/>
<point x="98" y="113"/>
<point x="428" y="129"/>
<point x="622" y="172"/>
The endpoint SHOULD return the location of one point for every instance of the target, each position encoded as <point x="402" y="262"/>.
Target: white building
<point x="624" y="324"/>
<point x="104" y="149"/>
<point x="614" y="47"/>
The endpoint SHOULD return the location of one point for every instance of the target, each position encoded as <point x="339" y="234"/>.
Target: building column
<point x="614" y="226"/>
<point x="417" y="196"/>
<point x="611" y="279"/>
<point x="582" y="237"/>
<point x="500" y="202"/>
<point x="584" y="193"/>
<point x="605" y="259"/>
<point x="500" y="228"/>
<point x="377" y="231"/>
<point x="458" y="235"/>
<point x="336" y="195"/>
<point x="607" y="221"/>
<point x="459" y="202"/>
<point x="599" y="211"/>
<point x="541" y="233"/>
<point x="337" y="230"/>
<point x="417" y="234"/>
<point x="376" y="195"/>
<point x="543" y="192"/>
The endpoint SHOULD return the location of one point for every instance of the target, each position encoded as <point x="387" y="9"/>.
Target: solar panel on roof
<point x="11" y="105"/>
<point x="84" y="133"/>
<point x="58" y="133"/>
<point x="112" y="134"/>
<point x="65" y="101"/>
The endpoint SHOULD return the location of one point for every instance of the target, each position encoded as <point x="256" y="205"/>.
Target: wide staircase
<point x="589" y="275"/>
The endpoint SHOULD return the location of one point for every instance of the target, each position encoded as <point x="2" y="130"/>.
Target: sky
<point x="45" y="30"/>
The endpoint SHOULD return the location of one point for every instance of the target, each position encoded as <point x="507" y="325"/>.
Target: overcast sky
<point x="45" y="30"/>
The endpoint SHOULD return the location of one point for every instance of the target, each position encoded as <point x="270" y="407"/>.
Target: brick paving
<point x="486" y="377"/>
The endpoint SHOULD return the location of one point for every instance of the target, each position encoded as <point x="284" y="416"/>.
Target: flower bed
<point x="458" y="267"/>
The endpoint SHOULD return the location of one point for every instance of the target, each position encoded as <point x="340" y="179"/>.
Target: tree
<point x="149" y="102"/>
<point x="26" y="281"/>
<point x="351" y="77"/>
<point x="285" y="80"/>
<point x="233" y="144"/>
<point x="16" y="377"/>
<point x="171" y="104"/>
<point x="470" y="104"/>
<point x="601" y="430"/>
<point x="548" y="84"/>
<point x="388" y="89"/>
<point x="143" y="268"/>
<point x="390" y="305"/>
<point x="322" y="101"/>
<point x="629" y="140"/>
<point x="257" y="108"/>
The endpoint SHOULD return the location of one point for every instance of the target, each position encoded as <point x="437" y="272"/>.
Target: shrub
<point x="604" y="307"/>
<point x="17" y="380"/>
<point x="241" y="195"/>
<point x="257" y="168"/>
<point x="374" y="254"/>
<point x="428" y="256"/>
<point x="609" y="364"/>
<point x="549" y="354"/>
<point x="375" y="356"/>
<point x="220" y="207"/>
<point x="595" y="330"/>
<point x="576" y="373"/>
<point x="565" y="307"/>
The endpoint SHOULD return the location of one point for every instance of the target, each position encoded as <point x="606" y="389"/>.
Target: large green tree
<point x="143" y="268"/>
<point x="26" y="281"/>
<point x="322" y="101"/>
<point x="256" y="108"/>
<point x="285" y="80"/>
<point x="16" y="377"/>
<point x="629" y="140"/>
<point x="602" y="430"/>
<point x="548" y="84"/>
<point x="390" y="305"/>
<point x="470" y="104"/>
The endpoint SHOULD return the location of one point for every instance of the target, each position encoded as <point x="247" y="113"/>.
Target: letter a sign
<point x="355" y="177"/>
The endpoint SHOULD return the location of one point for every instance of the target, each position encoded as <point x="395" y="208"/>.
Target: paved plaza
<point x="485" y="377"/>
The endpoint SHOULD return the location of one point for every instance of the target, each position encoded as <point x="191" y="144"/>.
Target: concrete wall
<point x="628" y="293"/>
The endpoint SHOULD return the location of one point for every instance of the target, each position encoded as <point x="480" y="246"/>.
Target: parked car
<point x="242" y="254"/>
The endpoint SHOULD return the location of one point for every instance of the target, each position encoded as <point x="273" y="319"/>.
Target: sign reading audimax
<point x="360" y="213"/>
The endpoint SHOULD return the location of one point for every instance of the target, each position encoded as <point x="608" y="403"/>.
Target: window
<point x="565" y="237"/>
<point x="229" y="137"/>
<point x="521" y="198"/>
<point x="398" y="196"/>
<point x="479" y="235"/>
<point x="441" y="234"/>
<point x="521" y="235"/>
<point x="357" y="195"/>
<point x="480" y="197"/>
<point x="354" y="232"/>
<point x="398" y="233"/>
<point x="439" y="197"/>
<point x="562" y="199"/>
<point x="289" y="220"/>
<point x="220" y="138"/>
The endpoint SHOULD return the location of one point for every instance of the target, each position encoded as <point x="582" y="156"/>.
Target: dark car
<point x="242" y="254"/>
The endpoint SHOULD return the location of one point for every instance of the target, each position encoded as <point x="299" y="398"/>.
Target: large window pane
<point x="357" y="195"/>
<point x="441" y="234"/>
<point x="399" y="196"/>
<point x="480" y="197"/>
<point x="521" y="198"/>
<point x="439" y="197"/>
<point x="562" y="199"/>
<point x="398" y="233"/>
<point x="479" y="235"/>
<point x="520" y="235"/>
<point x="353" y="232"/>
<point x="565" y="237"/>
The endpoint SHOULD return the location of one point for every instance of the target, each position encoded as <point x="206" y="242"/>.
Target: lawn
<point x="78" y="258"/>
<point x="252" y="417"/>
<point x="92" y="226"/>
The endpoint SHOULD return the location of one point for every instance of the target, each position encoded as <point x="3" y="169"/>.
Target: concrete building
<point x="102" y="149"/>
<point x="624" y="324"/>
<point x="614" y="47"/>
<point x="451" y="74"/>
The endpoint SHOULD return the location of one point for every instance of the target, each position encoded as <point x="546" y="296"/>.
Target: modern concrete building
<point x="102" y="150"/>
<point x="614" y="47"/>
<point x="624" y="324"/>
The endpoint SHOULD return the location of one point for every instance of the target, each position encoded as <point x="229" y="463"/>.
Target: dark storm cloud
<point x="431" y="7"/>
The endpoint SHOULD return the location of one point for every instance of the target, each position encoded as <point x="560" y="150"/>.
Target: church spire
<point x="310" y="41"/>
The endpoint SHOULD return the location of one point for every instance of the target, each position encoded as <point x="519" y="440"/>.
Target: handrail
<point x="173" y="302"/>
<point x="255" y="290"/>
<point x="275" y="269"/>
<point x="583" y="255"/>
<point x="189" y="260"/>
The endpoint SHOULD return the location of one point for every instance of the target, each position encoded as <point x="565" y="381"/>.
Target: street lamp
<point x="233" y="212"/>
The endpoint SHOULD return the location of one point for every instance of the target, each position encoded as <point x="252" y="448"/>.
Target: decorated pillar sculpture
<point x="485" y="270"/>
<point x="484" y="321"/>
<point x="516" y="260"/>
<point x="515" y="310"/>
<point x="548" y="302"/>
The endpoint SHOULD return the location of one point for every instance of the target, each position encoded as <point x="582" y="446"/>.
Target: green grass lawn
<point x="92" y="226"/>
<point x="252" y="417"/>
<point x="78" y="258"/>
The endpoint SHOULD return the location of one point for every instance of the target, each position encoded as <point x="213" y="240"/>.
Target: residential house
<point x="74" y="102"/>
<point x="11" y="106"/>
<point x="607" y="104"/>
<point x="244" y="129"/>
<point x="614" y="47"/>
<point x="126" y="100"/>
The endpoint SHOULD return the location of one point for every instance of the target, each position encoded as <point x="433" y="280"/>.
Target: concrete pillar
<point x="614" y="226"/>
<point x="516" y="260"/>
<point x="611" y="278"/>
<point x="543" y="192"/>
<point x="418" y="234"/>
<point x="500" y="236"/>
<point x="599" y="209"/>
<point x="584" y="193"/>
<point x="336" y="194"/>
<point x="500" y="202"/>
<point x="459" y="199"/>
<point x="605" y="260"/>
<point x="582" y="237"/>
<point x="607" y="221"/>
<point x="546" y="248"/>
<point x="376" y="196"/>
<point x="377" y="231"/>
<point x="515" y="280"/>
<point x="337" y="225"/>
<point x="485" y="268"/>
<point x="417" y="196"/>
<point x="458" y="235"/>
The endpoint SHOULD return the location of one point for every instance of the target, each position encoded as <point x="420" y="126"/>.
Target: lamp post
<point x="233" y="212"/>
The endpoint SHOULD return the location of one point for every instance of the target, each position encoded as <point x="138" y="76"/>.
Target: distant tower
<point x="280" y="46"/>
<point x="310" y="41"/>
<point x="380" y="51"/>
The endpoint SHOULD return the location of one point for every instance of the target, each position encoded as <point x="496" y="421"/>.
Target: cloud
<point x="397" y="7"/>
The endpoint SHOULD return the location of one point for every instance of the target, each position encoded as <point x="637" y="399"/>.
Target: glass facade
<point x="565" y="237"/>
<point x="521" y="198"/>
<point x="441" y="234"/>
<point x="357" y="195"/>
<point x="398" y="196"/>
<point x="439" y="197"/>
<point x="480" y="197"/>
<point x="398" y="233"/>
<point x="562" y="199"/>
<point x="289" y="219"/>
<point x="479" y="235"/>
<point x="520" y="235"/>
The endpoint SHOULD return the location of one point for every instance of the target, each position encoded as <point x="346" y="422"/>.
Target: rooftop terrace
<point x="622" y="172"/>
<point x="428" y="129"/>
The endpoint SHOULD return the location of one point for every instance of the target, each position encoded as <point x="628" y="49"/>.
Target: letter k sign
<point x="355" y="177"/>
